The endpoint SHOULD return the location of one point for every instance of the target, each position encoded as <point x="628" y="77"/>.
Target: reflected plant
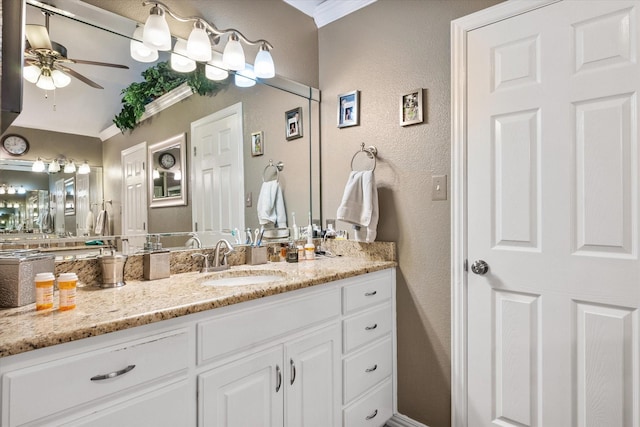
<point x="159" y="80"/>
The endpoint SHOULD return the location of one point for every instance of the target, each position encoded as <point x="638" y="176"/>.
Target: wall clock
<point x="167" y="160"/>
<point x="15" y="145"/>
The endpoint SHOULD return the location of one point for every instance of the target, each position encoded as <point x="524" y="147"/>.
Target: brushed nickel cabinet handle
<point x="112" y="374"/>
<point x="279" y="378"/>
<point x="293" y="371"/>
<point x="372" y="415"/>
<point x="370" y="294"/>
<point x="371" y="369"/>
<point x="370" y="328"/>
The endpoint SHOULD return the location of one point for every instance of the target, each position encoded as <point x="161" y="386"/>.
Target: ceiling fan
<point x="46" y="61"/>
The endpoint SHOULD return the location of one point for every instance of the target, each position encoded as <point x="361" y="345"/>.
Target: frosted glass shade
<point x="45" y="82"/>
<point x="60" y="79"/>
<point x="84" y="169"/>
<point x="156" y="34"/>
<point x="38" y="166"/>
<point x="54" y="167"/>
<point x="199" y="45"/>
<point x="179" y="60"/>
<point x="245" y="78"/>
<point x="263" y="65"/>
<point x="233" y="55"/>
<point x="215" y="69"/>
<point x="69" y="167"/>
<point x="138" y="50"/>
<point x="31" y="73"/>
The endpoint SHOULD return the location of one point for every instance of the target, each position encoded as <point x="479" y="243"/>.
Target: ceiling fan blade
<point x="79" y="76"/>
<point x="103" y="64"/>
<point x="38" y="36"/>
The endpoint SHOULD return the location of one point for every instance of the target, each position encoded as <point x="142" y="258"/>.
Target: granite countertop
<point x="100" y="311"/>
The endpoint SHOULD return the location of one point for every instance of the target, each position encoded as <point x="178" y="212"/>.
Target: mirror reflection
<point x="167" y="164"/>
<point x="263" y="110"/>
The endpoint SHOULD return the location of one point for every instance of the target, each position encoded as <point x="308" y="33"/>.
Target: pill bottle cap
<point x="67" y="277"/>
<point x="44" y="277"/>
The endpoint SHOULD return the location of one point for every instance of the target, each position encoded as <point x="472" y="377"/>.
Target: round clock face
<point x="167" y="160"/>
<point x="15" y="145"/>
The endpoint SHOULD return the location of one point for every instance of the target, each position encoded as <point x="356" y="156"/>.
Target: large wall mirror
<point x="63" y="124"/>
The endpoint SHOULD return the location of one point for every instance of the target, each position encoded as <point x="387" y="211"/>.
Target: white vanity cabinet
<point x="321" y="356"/>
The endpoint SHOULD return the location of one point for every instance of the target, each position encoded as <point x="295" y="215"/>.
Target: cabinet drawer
<point x="363" y="370"/>
<point x="238" y="330"/>
<point x="366" y="327"/>
<point x="366" y="291"/>
<point x="38" y="391"/>
<point x="374" y="409"/>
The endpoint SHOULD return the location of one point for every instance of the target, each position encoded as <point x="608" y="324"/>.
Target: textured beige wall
<point x="384" y="50"/>
<point x="293" y="34"/>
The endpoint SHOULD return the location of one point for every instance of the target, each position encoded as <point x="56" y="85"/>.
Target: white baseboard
<point x="399" y="420"/>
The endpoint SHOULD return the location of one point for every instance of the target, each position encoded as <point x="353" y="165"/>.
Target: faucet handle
<point x="205" y="267"/>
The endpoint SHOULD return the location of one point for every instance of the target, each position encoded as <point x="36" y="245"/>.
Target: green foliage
<point x="158" y="80"/>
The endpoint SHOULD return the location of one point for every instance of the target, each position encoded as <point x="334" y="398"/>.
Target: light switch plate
<point x="439" y="187"/>
<point x="248" y="200"/>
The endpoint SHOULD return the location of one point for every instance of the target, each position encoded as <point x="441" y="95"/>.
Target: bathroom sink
<point x="247" y="279"/>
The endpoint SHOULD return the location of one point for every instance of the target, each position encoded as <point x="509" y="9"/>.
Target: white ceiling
<point x="83" y="110"/>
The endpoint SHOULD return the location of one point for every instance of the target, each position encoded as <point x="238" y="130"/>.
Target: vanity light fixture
<point x="84" y="169"/>
<point x="177" y="175"/>
<point x="180" y="62"/>
<point x="246" y="77"/>
<point x="215" y="69"/>
<point x="38" y="166"/>
<point x="156" y="35"/>
<point x="156" y="173"/>
<point x="54" y="166"/>
<point x="22" y="190"/>
<point x="69" y="167"/>
<point x="11" y="190"/>
<point x="3" y="189"/>
<point x="139" y="51"/>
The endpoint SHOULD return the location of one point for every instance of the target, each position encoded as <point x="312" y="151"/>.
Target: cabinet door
<point x="313" y="379"/>
<point x="247" y="392"/>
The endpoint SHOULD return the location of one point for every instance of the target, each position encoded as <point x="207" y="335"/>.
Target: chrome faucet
<point x="217" y="265"/>
<point x="196" y="239"/>
<point x="206" y="268"/>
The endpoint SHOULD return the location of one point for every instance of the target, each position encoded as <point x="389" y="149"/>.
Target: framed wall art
<point x="349" y="109"/>
<point x="293" y="123"/>
<point x="257" y="143"/>
<point x="411" y="108"/>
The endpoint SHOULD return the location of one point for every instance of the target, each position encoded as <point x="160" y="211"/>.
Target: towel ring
<point x="371" y="152"/>
<point x="278" y="167"/>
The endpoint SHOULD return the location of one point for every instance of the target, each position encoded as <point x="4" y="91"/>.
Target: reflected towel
<point x="89" y="222"/>
<point x="271" y="205"/>
<point x="46" y="222"/>
<point x="103" y="225"/>
<point x="359" y="205"/>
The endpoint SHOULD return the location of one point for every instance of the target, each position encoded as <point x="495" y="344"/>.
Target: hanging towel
<point x="46" y="222"/>
<point x="102" y="224"/>
<point x="89" y="222"/>
<point x="359" y="205"/>
<point x="271" y="205"/>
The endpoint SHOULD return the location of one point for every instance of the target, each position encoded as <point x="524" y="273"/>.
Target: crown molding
<point x="332" y="10"/>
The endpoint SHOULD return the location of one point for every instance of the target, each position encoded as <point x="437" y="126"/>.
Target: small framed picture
<point x="349" y="109"/>
<point x="411" y="108"/>
<point x="293" y="123"/>
<point x="257" y="144"/>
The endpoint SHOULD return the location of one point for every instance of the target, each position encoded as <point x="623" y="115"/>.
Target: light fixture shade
<point x="263" y="65"/>
<point x="138" y="50"/>
<point x="3" y="189"/>
<point x="84" y="169"/>
<point x="11" y="190"/>
<point x="45" y="81"/>
<point x="179" y="60"/>
<point x="21" y="190"/>
<point x="69" y="167"/>
<point x="245" y="78"/>
<point x="199" y="45"/>
<point x="215" y="69"/>
<point x="156" y="34"/>
<point x="54" y="166"/>
<point x="177" y="175"/>
<point x="60" y="79"/>
<point x="156" y="174"/>
<point x="31" y="73"/>
<point x="38" y="166"/>
<point x="233" y="55"/>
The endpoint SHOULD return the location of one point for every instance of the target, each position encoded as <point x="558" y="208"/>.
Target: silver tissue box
<point x="17" y="271"/>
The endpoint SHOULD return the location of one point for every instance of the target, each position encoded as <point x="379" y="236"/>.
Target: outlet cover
<point x="439" y="187"/>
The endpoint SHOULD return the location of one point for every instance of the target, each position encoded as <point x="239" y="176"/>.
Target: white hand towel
<point x="89" y="222"/>
<point x="271" y="205"/>
<point x="100" y="222"/>
<point x="359" y="205"/>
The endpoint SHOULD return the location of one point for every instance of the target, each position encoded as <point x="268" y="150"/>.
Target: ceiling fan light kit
<point x="199" y="45"/>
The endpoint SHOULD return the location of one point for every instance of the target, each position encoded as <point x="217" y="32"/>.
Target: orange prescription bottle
<point x="44" y="290"/>
<point x="67" y="289"/>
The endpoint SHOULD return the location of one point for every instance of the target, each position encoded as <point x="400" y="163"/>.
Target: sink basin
<point x="243" y="280"/>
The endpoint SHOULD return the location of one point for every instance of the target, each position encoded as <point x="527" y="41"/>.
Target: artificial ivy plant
<point x="158" y="80"/>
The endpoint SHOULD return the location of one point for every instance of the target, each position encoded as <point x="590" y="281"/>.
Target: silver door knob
<point x="479" y="267"/>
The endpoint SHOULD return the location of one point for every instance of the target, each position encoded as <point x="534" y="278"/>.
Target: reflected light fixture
<point x="3" y="189"/>
<point x="69" y="167"/>
<point x="156" y="35"/>
<point x="246" y="77"/>
<point x="215" y="69"/>
<point x="21" y="190"/>
<point x="11" y="190"/>
<point x="84" y="169"/>
<point x="139" y="51"/>
<point x="54" y="166"/>
<point x="177" y="175"/>
<point x="156" y="174"/>
<point x="38" y="166"/>
<point x="180" y="62"/>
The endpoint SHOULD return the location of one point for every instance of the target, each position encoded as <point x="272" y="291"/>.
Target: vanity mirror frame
<point x="153" y="152"/>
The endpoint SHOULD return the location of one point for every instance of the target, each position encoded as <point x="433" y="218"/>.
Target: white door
<point x="83" y="205"/>
<point x="312" y="380"/>
<point x="134" y="194"/>
<point x="217" y="174"/>
<point x="59" y="207"/>
<point x="553" y="334"/>
<point x="247" y="392"/>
